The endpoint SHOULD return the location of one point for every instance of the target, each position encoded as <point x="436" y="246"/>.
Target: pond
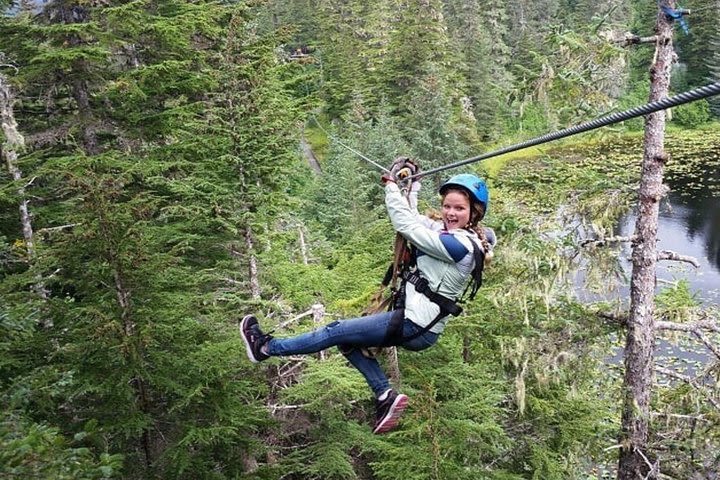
<point x="688" y="224"/>
<point x="689" y="220"/>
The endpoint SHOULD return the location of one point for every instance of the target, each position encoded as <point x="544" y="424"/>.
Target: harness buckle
<point x="420" y="283"/>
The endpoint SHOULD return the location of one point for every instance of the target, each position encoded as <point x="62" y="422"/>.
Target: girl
<point x="447" y="254"/>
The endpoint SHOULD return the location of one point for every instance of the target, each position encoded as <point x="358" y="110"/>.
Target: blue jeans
<point x="350" y="336"/>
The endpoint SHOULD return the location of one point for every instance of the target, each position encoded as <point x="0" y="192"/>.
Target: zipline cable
<point x="349" y="148"/>
<point x="685" y="97"/>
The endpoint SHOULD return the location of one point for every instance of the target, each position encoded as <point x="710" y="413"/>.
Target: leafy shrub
<point x="692" y="114"/>
<point x="39" y="451"/>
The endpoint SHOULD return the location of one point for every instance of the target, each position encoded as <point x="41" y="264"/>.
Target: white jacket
<point x="445" y="258"/>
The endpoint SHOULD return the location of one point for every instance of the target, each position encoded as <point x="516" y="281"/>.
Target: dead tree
<point x="636" y="462"/>
<point x="15" y="143"/>
<point x="11" y="148"/>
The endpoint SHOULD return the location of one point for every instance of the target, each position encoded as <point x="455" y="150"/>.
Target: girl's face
<point x="455" y="210"/>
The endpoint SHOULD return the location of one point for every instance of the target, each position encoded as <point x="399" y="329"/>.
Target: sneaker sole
<point x="391" y="419"/>
<point x="248" y="348"/>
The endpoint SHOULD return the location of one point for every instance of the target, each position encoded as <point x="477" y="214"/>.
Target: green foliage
<point x="676" y="302"/>
<point x="693" y="114"/>
<point x="162" y="139"/>
<point x="37" y="451"/>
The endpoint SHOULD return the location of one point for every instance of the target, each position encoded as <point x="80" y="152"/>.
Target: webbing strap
<point x="479" y="258"/>
<point x="421" y="285"/>
<point x="447" y="305"/>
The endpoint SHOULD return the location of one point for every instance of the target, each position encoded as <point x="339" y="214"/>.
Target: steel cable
<point x="682" y="98"/>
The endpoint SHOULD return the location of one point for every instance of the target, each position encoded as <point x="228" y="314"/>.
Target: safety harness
<point x="448" y="306"/>
<point x="404" y="270"/>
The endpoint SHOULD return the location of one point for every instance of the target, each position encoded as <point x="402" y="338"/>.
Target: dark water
<point x="687" y="225"/>
<point x="689" y="221"/>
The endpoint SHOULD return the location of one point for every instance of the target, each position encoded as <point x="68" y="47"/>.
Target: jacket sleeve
<point x="414" y="227"/>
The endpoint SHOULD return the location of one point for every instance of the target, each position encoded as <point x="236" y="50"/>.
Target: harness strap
<point x="421" y="285"/>
<point x="479" y="258"/>
<point x="447" y="305"/>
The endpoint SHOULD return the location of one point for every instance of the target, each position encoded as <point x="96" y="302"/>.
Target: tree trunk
<point x="310" y="155"/>
<point x="636" y="462"/>
<point x="303" y="246"/>
<point x="82" y="98"/>
<point x="14" y="142"/>
<point x="318" y="313"/>
<point x="253" y="269"/>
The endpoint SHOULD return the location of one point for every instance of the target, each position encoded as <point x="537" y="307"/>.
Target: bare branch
<point x="601" y="242"/>
<point x="50" y="136"/>
<point x="30" y="182"/>
<point x="708" y="344"/>
<point x="275" y="408"/>
<point x="690" y="381"/>
<point x="61" y="227"/>
<point x="653" y="466"/>
<point x="615" y="318"/>
<point x="709" y="325"/>
<point x="696" y="418"/>
<point x="632" y="39"/>
<point x="295" y="319"/>
<point x="3" y="65"/>
<point x="670" y="255"/>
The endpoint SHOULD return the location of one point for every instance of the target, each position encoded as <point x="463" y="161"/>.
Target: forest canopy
<point x="170" y="166"/>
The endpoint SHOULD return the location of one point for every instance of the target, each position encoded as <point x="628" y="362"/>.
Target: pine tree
<point x="432" y="127"/>
<point x="713" y="64"/>
<point x="695" y="47"/>
<point x="136" y="164"/>
<point x="418" y="45"/>
<point x="479" y="30"/>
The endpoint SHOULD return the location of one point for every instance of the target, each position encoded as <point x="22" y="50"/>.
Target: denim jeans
<point x="351" y="335"/>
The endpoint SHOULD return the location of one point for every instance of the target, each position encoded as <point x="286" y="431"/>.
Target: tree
<point x="433" y="128"/>
<point x="418" y="46"/>
<point x="479" y="30"/>
<point x="636" y="461"/>
<point x="713" y="63"/>
<point x="132" y="159"/>
<point x="695" y="47"/>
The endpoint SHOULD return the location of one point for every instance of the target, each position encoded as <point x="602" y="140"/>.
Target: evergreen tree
<point x="713" y="64"/>
<point x="154" y="189"/>
<point x="432" y="125"/>
<point x="695" y="47"/>
<point x="479" y="29"/>
<point x="418" y="45"/>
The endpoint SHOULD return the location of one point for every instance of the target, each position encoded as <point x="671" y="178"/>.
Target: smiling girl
<point x="446" y="255"/>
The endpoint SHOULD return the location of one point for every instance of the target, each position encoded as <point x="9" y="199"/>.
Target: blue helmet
<point x="475" y="186"/>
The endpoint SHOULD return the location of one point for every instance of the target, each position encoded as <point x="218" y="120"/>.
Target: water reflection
<point x="688" y="225"/>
